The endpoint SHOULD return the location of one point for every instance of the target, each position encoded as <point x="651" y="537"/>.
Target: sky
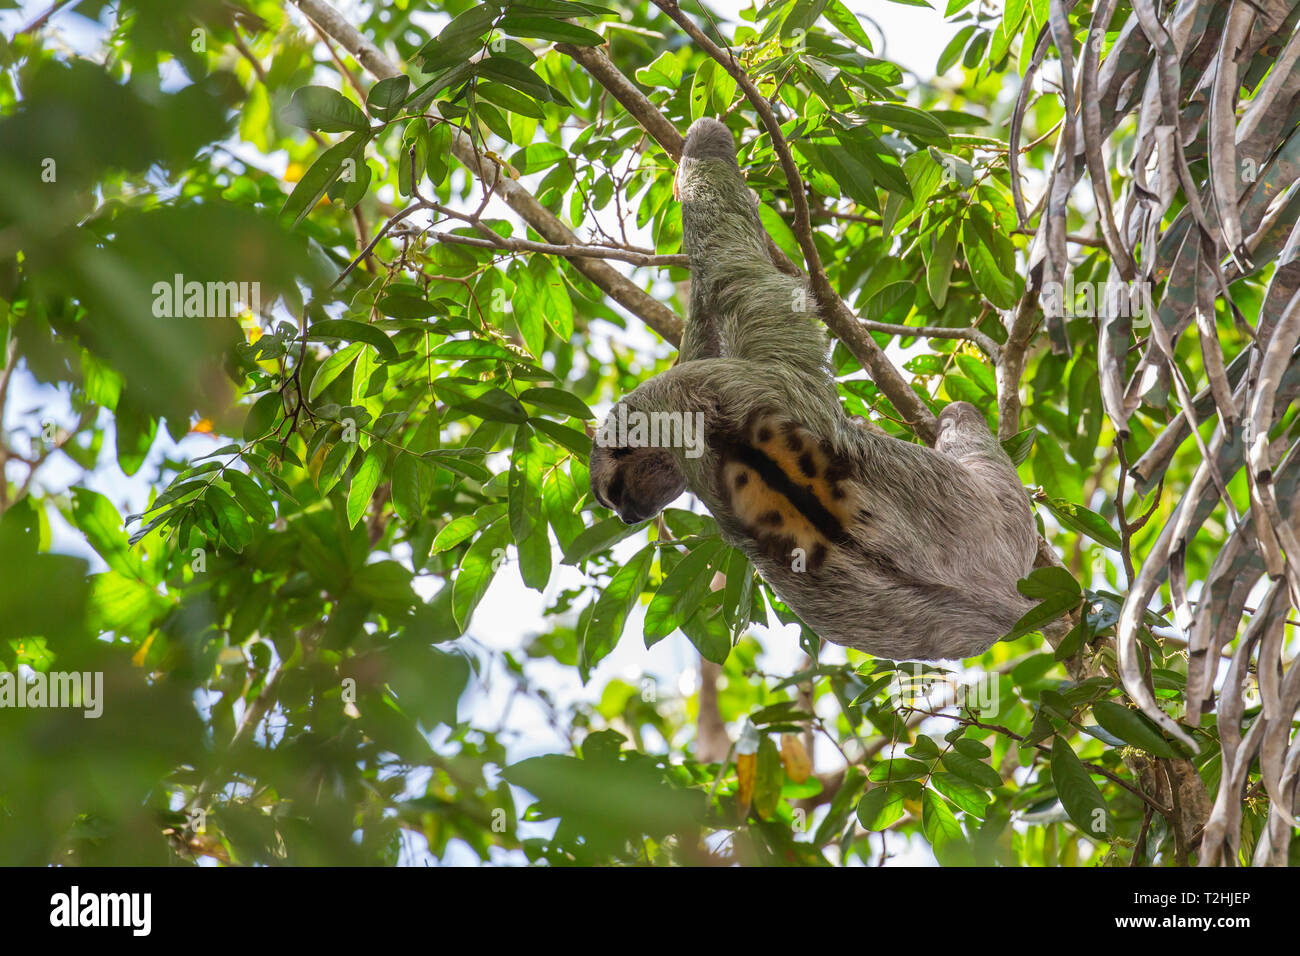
<point x="510" y="613"/>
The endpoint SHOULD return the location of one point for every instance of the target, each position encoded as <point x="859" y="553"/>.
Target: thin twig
<point x="549" y="249"/>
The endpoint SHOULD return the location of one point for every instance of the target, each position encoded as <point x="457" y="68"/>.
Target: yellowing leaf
<point x="746" y="773"/>
<point x="798" y="767"/>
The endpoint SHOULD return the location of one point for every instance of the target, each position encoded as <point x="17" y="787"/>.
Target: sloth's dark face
<point x="635" y="483"/>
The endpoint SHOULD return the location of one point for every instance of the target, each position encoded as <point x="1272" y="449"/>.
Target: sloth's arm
<point x="730" y="390"/>
<point x="742" y="306"/>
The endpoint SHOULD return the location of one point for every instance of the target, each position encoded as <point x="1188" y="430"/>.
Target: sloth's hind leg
<point x="965" y="437"/>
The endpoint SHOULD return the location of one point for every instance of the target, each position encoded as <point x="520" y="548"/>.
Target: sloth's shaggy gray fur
<point x="927" y="566"/>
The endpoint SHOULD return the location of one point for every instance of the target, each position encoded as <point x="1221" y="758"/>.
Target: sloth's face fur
<point x="635" y="483"/>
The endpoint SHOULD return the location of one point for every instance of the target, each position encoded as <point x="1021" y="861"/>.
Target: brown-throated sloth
<point x="897" y="549"/>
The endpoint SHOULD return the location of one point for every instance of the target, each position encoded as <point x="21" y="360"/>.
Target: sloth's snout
<point x="632" y="513"/>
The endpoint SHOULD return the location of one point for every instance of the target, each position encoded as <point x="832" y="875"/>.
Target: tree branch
<point x="568" y="251"/>
<point x="991" y="348"/>
<point x="648" y="116"/>
<point x="617" y="286"/>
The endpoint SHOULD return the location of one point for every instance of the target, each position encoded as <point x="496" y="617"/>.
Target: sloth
<point x="894" y="548"/>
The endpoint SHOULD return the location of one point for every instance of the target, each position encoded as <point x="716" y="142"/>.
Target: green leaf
<point x="477" y="568"/>
<point x="971" y="748"/>
<point x="968" y="796"/>
<point x="546" y="28"/>
<point x="250" y="496"/>
<point x="681" y="591"/>
<point x="386" y="97"/>
<point x="455" y="460"/>
<point x="324" y="109"/>
<point x="230" y="519"/>
<point x="561" y="498"/>
<point x="702" y="88"/>
<point x="401" y="306"/>
<point x="707" y="629"/>
<point x="613" y="607"/>
<point x="558" y="401"/>
<point x="909" y="120"/>
<point x="847" y="171"/>
<point x="1057" y="592"/>
<point x="968" y="768"/>
<point x="1132" y="727"/>
<point x="572" y="439"/>
<point x="938" y="254"/>
<point x="364" y="483"/>
<point x="880" y="808"/>
<point x="458" y="39"/>
<point x="1082" y="800"/>
<point x="938" y="823"/>
<point x="332" y="368"/>
<point x="509" y="99"/>
<point x="463" y="527"/>
<point x="477" y="349"/>
<point x="318" y="179"/>
<point x="526" y="509"/>
<point x="99" y="521"/>
<point x="538" y="156"/>
<point x="599" y="537"/>
<point x="335" y="464"/>
<point x="978" y="372"/>
<point x="514" y="74"/>
<point x="352" y="331"/>
<point x="493" y="405"/>
<point x="953" y="51"/>
<point x="665" y="71"/>
<point x="412" y="486"/>
<point x="898" y="769"/>
<point x="847" y="23"/>
<point x="553" y="298"/>
<point x="1019" y="445"/>
<point x="1084" y="521"/>
<point x="262" y="416"/>
<point x="990" y="257"/>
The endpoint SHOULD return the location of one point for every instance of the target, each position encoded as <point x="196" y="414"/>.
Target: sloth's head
<point x="707" y="139"/>
<point x="960" y="415"/>
<point x="634" y="483"/>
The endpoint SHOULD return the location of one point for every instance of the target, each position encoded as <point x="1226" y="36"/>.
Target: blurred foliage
<point x="282" y="631"/>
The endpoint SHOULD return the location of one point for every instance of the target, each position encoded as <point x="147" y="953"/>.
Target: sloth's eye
<point x="621" y="452"/>
<point x="615" y="491"/>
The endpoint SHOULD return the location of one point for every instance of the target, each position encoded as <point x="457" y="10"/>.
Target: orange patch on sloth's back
<point x="784" y="488"/>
